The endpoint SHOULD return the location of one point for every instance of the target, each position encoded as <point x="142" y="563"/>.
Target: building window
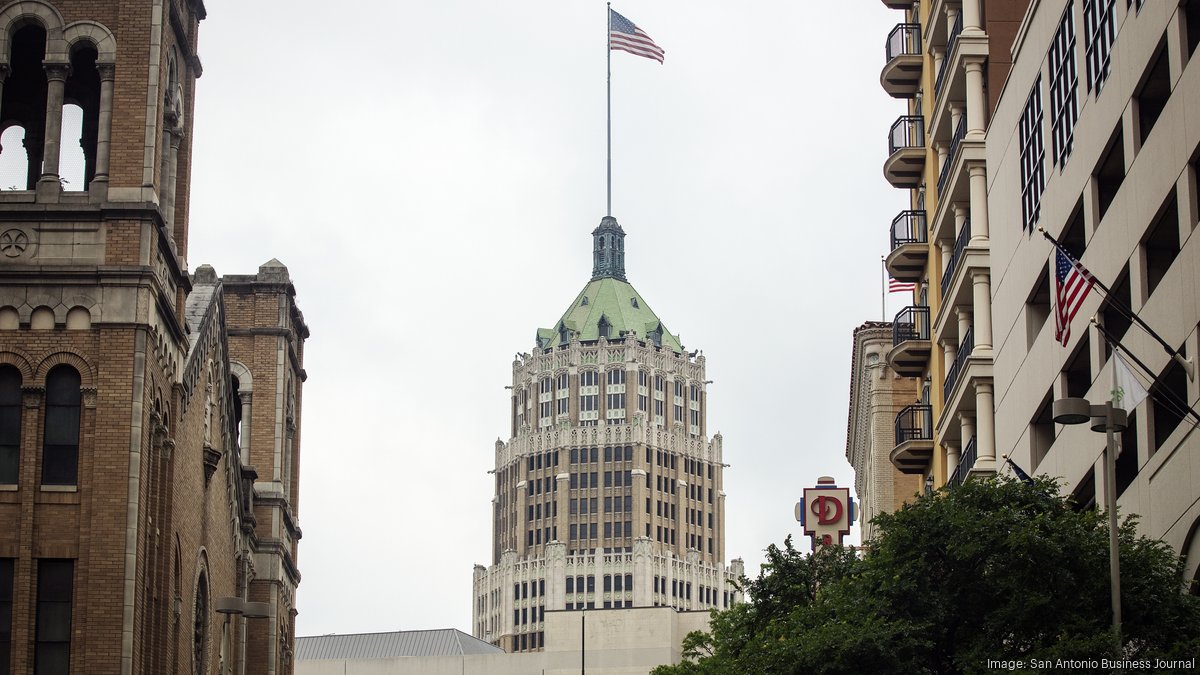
<point x="60" y="450"/>
<point x="6" y="600"/>
<point x="614" y="390"/>
<point x="589" y="397"/>
<point x="1064" y="80"/>
<point x="1099" y="25"/>
<point x="564" y="394"/>
<point x="546" y="402"/>
<point x="643" y="391"/>
<point x="53" y="629"/>
<point x="1032" y="151"/>
<point x="10" y="427"/>
<point x="677" y="411"/>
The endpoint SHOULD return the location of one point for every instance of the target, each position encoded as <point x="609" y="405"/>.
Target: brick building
<point x="149" y="417"/>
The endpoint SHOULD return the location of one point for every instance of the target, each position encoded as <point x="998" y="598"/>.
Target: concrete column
<point x="949" y="351"/>
<point x="982" y="283"/>
<point x="951" y="17"/>
<point x="985" y="418"/>
<point x="980" y="231"/>
<point x="952" y="457"/>
<point x="56" y="82"/>
<point x="976" y="105"/>
<point x="971" y="17"/>
<point x="964" y="322"/>
<point x="938" y="56"/>
<point x="562" y="497"/>
<point x="244" y="433"/>
<point x="966" y="424"/>
<point x="98" y="188"/>
<point x="956" y="113"/>
<point x="943" y="153"/>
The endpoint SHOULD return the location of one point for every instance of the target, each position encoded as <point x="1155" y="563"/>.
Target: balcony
<point x="951" y="155"/>
<point x="898" y="4"/>
<point x="965" y="463"/>
<point x="910" y="341"/>
<point x="906" y="152"/>
<point x="951" y="41"/>
<point x="901" y="76"/>
<point x="960" y="245"/>
<point x="960" y="360"/>
<point x="914" y="439"/>
<point x="910" y="246"/>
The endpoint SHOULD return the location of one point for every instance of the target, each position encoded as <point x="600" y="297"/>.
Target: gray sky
<point x="430" y="173"/>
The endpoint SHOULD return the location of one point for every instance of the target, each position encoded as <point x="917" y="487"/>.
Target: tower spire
<point x="608" y="250"/>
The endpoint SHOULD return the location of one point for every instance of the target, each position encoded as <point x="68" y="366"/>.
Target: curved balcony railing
<point x="911" y="323"/>
<point x="944" y="170"/>
<point x="965" y="463"/>
<point x="909" y="228"/>
<point x="960" y="359"/>
<point x="914" y="423"/>
<point x="906" y="132"/>
<point x="964" y="236"/>
<point x="904" y="40"/>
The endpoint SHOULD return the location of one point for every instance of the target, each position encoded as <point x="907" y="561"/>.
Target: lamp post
<point x="1110" y="420"/>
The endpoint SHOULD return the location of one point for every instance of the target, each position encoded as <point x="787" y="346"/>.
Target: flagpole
<point x="1129" y="314"/>
<point x="883" y="290"/>
<point x="608" y="64"/>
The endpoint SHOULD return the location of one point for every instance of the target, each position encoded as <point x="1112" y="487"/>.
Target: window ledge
<point x="8" y="487"/>
<point x="59" y="488"/>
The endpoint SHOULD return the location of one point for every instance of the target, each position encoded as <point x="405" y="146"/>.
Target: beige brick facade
<point x="153" y="475"/>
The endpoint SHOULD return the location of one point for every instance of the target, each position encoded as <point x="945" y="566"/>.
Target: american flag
<point x="623" y="35"/>
<point x="1072" y="284"/>
<point x="900" y="286"/>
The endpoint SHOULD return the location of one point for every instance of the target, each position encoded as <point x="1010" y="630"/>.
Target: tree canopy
<point x="990" y="571"/>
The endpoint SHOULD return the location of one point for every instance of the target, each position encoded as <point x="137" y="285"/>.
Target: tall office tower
<point x="1095" y="141"/>
<point x="948" y="60"/>
<point x="149" y="417"/>
<point x="608" y="493"/>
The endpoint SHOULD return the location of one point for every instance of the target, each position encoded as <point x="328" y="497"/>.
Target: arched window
<point x="24" y="104"/>
<point x="200" y="627"/>
<point x="605" y="327"/>
<point x="10" y="424"/>
<point x="60" y="448"/>
<point x="81" y="120"/>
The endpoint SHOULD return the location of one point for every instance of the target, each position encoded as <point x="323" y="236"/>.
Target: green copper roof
<point x="620" y="306"/>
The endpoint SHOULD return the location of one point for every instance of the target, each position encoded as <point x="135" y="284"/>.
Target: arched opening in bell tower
<point x="23" y="108"/>
<point x="81" y="119"/>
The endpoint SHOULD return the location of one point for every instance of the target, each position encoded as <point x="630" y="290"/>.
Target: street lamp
<point x="1110" y="420"/>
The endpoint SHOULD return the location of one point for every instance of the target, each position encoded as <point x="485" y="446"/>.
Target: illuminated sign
<point x="826" y="512"/>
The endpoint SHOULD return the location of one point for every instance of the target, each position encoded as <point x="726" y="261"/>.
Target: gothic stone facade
<point x="149" y="418"/>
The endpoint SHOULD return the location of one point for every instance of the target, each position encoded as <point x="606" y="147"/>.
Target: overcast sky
<point x="430" y="172"/>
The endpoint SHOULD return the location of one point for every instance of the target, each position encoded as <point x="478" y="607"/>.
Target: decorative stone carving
<point x="13" y="243"/>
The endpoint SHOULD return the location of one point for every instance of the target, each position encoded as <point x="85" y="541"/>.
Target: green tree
<point x="992" y="570"/>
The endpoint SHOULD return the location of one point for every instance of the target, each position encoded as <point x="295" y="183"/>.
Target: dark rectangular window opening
<point x="1127" y="461"/>
<point x="1169" y="395"/>
<point x="1084" y="495"/>
<point x="1041" y="430"/>
<point x="1037" y="308"/>
<point x="1115" y="321"/>
<point x="6" y="601"/>
<point x="1079" y="370"/>
<point x="1162" y="244"/>
<point x="1111" y="171"/>
<point x="1191" y="13"/>
<point x="1153" y="92"/>
<point x="1073" y="238"/>
<point x="52" y="655"/>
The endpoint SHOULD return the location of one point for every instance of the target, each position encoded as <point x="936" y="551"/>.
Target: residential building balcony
<point x="906" y="152"/>
<point x="913" y="438"/>
<point x="965" y="347"/>
<point x="910" y="246"/>
<point x="910" y="351"/>
<point x="965" y="463"/>
<point x="901" y="76"/>
<point x="969" y="256"/>
<point x="899" y="4"/>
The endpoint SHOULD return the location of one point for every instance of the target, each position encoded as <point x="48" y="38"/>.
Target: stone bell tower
<point x="152" y="499"/>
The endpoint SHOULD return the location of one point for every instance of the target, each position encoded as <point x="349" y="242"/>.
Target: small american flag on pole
<point x="1072" y="283"/>
<point x="625" y="36"/>
<point x="900" y="286"/>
